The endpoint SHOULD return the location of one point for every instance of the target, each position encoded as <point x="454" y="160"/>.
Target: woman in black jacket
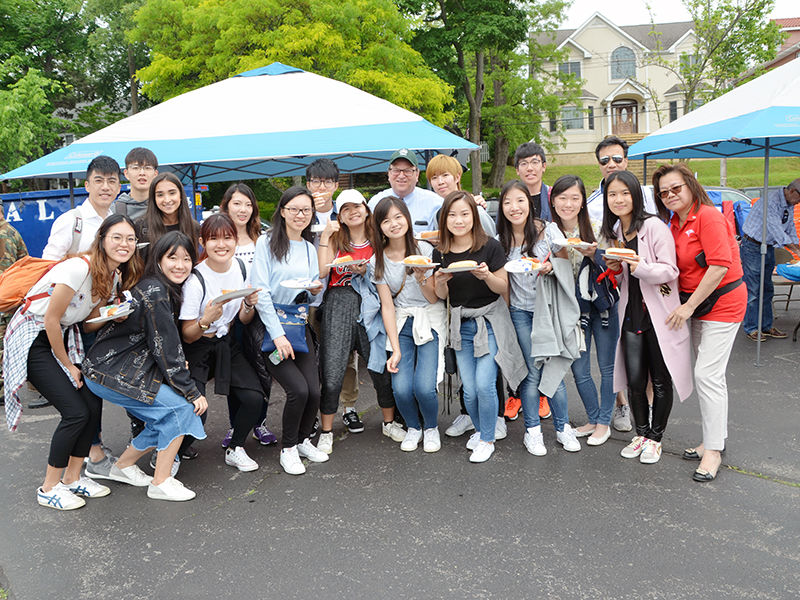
<point x="138" y="363"/>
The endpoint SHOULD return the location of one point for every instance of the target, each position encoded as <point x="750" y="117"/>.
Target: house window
<point x="571" y="68"/>
<point x="673" y="110"/>
<point x="590" y="114"/>
<point x="553" y="124"/>
<point x="687" y="62"/>
<point x="693" y="105"/>
<point x="623" y="63"/>
<point x="572" y="117"/>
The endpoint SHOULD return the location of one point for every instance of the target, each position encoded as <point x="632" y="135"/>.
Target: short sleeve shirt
<point x="395" y="273"/>
<point x="194" y="301"/>
<point x="73" y="273"/>
<point x="464" y="288"/>
<point x="340" y="276"/>
<point x="707" y="231"/>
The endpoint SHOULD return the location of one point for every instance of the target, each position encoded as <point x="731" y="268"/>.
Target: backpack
<point x="19" y="278"/>
<point x="77" y="229"/>
<point x="203" y="281"/>
<point x="595" y="286"/>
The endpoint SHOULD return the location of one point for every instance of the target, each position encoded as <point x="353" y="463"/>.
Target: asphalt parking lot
<point x="375" y="522"/>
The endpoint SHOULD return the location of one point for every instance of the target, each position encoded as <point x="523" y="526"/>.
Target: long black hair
<point x="167" y="245"/>
<point x="638" y="214"/>
<point x="561" y="185"/>
<point x="278" y="238"/>
<point x="533" y="227"/>
<point x="152" y="226"/>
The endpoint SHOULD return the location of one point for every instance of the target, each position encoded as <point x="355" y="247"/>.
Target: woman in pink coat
<point x="647" y="348"/>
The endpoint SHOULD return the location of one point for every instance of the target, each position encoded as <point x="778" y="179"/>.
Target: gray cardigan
<point x="556" y="336"/>
<point x="509" y="356"/>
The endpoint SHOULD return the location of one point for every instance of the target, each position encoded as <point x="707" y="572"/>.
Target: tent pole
<point x="764" y="200"/>
<point x="194" y="191"/>
<point x="71" y="191"/>
<point x="644" y="172"/>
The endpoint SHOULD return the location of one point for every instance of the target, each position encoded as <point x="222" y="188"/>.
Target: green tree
<point x="359" y="42"/>
<point x="484" y="49"/>
<point x="28" y="128"/>
<point x="732" y="36"/>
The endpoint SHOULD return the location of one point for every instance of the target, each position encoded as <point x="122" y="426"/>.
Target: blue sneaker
<point x="263" y="435"/>
<point x="226" y="441"/>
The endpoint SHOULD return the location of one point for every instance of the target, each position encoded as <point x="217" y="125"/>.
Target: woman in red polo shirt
<point x="711" y="295"/>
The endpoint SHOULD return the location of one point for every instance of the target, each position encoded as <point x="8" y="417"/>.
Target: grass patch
<point x="742" y="173"/>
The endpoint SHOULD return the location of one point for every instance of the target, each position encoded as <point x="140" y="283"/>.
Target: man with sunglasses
<point x="781" y="231"/>
<point x="612" y="156"/>
<point x="403" y="177"/>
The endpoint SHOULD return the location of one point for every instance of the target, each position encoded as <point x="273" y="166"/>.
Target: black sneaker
<point x="315" y="428"/>
<point x="353" y="422"/>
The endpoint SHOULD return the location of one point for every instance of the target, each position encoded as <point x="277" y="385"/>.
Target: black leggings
<point x="642" y="358"/>
<point x="299" y="378"/>
<point x="80" y="409"/>
<point x="246" y="408"/>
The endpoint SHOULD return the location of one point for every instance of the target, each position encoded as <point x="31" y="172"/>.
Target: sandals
<point x="703" y="476"/>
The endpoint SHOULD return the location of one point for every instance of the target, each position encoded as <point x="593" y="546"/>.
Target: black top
<point x="136" y="356"/>
<point x="637" y="318"/>
<point x="465" y="289"/>
<point x="537" y="205"/>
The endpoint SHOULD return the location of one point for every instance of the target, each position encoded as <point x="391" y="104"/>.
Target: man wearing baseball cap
<point x="403" y="177"/>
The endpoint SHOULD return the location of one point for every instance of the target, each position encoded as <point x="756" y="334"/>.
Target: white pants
<point x="713" y="342"/>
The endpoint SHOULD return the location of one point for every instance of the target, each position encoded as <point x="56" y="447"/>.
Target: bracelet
<point x="250" y="306"/>
<point x="323" y="245"/>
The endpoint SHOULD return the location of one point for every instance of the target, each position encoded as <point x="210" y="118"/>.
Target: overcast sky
<point x="633" y="12"/>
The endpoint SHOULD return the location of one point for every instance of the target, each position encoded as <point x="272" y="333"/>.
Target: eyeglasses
<point x="617" y="158"/>
<point x="138" y="169"/>
<point x="675" y="189"/>
<point x="293" y="210"/>
<point x="118" y="239"/>
<point x="98" y="181"/>
<point x="329" y="183"/>
<point x="524" y="164"/>
<point x="406" y="172"/>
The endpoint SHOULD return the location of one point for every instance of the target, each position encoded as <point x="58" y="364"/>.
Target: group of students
<point x="677" y="286"/>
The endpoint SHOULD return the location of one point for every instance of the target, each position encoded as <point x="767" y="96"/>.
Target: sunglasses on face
<point x="604" y="160"/>
<point x="675" y="189"/>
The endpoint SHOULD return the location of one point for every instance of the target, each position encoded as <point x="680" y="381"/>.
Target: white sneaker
<point x="290" y="461"/>
<point x="311" y="452"/>
<point x="500" y="429"/>
<point x="170" y="489"/>
<point x="432" y="442"/>
<point x="534" y="441"/>
<point x="238" y="458"/>
<point x="132" y="475"/>
<point x="325" y="443"/>
<point x="568" y="439"/>
<point x="59" y="498"/>
<point x="622" y="418"/>
<point x="461" y="425"/>
<point x="473" y="441"/>
<point x="88" y="488"/>
<point x="651" y="453"/>
<point x="411" y="440"/>
<point x="482" y="452"/>
<point x="635" y="448"/>
<point x="394" y="431"/>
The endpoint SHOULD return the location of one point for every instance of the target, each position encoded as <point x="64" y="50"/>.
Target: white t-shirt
<point x="247" y="253"/>
<point x="394" y="274"/>
<point x="61" y="232"/>
<point x="194" y="302"/>
<point x="75" y="274"/>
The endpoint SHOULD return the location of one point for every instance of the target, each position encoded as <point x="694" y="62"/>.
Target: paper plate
<point x="234" y="295"/>
<point x="117" y="315"/>
<point x="300" y="283"/>
<point x="348" y="263"/>
<point x="457" y="269"/>
<point x="522" y="266"/>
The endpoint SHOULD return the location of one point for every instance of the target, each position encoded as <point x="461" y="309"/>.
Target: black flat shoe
<point x="704" y="476"/>
<point x="189" y="454"/>
<point x="691" y="454"/>
<point x="40" y="402"/>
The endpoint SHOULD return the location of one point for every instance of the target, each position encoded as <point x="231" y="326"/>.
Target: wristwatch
<point x="201" y="326"/>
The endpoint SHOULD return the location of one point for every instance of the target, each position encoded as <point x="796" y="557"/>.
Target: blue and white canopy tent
<point x="759" y="119"/>
<point x="268" y="122"/>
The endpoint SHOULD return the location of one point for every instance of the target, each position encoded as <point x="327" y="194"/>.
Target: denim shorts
<point x="168" y="417"/>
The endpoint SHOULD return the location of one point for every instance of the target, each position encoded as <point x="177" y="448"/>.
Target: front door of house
<point x="624" y="117"/>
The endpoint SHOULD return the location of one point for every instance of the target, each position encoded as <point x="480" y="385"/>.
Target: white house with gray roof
<point x="624" y="92"/>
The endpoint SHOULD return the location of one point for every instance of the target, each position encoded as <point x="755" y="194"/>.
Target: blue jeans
<point x="168" y="417"/>
<point x="529" y="389"/>
<point x="479" y="380"/>
<point x="416" y="378"/>
<point x="605" y="342"/>
<point x="750" y="252"/>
